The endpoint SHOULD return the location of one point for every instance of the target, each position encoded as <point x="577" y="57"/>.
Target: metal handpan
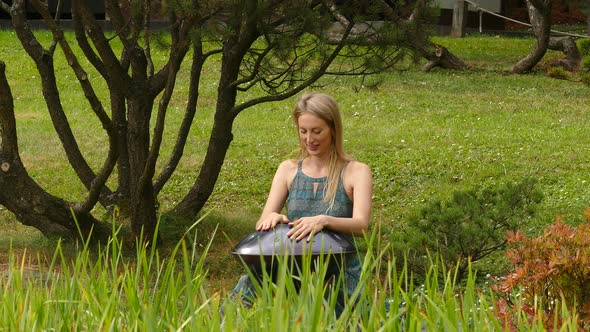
<point x="266" y="246"/>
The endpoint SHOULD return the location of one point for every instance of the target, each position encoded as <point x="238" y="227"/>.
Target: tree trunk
<point x="219" y="143"/>
<point x="234" y="50"/>
<point x="120" y="127"/>
<point x="568" y="46"/>
<point x="44" y="61"/>
<point x="21" y="195"/>
<point x="539" y="12"/>
<point x="439" y="56"/>
<point x="142" y="207"/>
<point x="34" y="207"/>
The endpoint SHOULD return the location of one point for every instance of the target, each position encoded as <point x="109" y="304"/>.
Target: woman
<point x="323" y="188"/>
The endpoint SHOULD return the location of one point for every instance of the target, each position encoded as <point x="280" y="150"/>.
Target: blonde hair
<point x="325" y="107"/>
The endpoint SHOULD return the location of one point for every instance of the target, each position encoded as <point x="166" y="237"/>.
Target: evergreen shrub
<point x="584" y="46"/>
<point x="471" y="225"/>
<point x="558" y="72"/>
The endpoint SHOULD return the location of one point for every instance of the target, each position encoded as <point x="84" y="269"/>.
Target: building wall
<point x="488" y="21"/>
<point x="491" y="5"/>
<point x="66" y="13"/>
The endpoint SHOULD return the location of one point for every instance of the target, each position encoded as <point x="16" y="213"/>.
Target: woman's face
<point x="314" y="135"/>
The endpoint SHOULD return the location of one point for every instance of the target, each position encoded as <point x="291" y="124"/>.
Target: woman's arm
<point x="279" y="190"/>
<point x="357" y="177"/>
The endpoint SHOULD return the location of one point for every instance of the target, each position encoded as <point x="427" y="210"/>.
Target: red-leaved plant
<point x="549" y="270"/>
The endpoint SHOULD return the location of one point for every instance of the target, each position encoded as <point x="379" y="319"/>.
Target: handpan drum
<point x="268" y="245"/>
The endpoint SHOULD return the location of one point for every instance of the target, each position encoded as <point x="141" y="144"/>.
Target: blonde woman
<point x="322" y="189"/>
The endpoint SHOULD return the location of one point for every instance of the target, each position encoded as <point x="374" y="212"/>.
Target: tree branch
<point x="120" y="23"/>
<point x="196" y="68"/>
<point x="44" y="63"/>
<point x="147" y="37"/>
<point x="149" y="169"/>
<point x="75" y="65"/>
<point x="289" y="93"/>
<point x="255" y="67"/>
<point x="568" y="46"/>
<point x="5" y="7"/>
<point x="98" y="184"/>
<point x="9" y="143"/>
<point x="114" y="71"/>
<point x="178" y="49"/>
<point x="22" y="196"/>
<point x="84" y="45"/>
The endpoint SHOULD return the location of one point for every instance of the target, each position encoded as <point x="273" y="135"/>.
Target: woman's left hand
<point x="306" y="226"/>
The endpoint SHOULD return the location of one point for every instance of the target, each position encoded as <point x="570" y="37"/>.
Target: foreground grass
<point x="104" y="290"/>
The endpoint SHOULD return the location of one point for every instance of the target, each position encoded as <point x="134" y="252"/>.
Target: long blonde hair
<point x="325" y="107"/>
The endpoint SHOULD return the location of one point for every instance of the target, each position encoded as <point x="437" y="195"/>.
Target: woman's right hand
<point x="270" y="221"/>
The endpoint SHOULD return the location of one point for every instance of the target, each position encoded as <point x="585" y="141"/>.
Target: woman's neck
<point x="317" y="166"/>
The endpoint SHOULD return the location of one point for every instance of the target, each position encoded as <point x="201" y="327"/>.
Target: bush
<point x="470" y="226"/>
<point x="557" y="72"/>
<point x="550" y="270"/>
<point x="584" y="46"/>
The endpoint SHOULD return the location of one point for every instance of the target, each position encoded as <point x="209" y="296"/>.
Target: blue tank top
<point x="304" y="201"/>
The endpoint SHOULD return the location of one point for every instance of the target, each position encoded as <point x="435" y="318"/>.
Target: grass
<point x="424" y="136"/>
<point x="105" y="290"/>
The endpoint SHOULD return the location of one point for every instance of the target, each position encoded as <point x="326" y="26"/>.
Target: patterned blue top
<point x="304" y="201"/>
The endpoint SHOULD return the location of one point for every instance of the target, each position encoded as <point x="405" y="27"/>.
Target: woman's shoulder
<point x="356" y="174"/>
<point x="355" y="166"/>
<point x="288" y="167"/>
<point x="288" y="164"/>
